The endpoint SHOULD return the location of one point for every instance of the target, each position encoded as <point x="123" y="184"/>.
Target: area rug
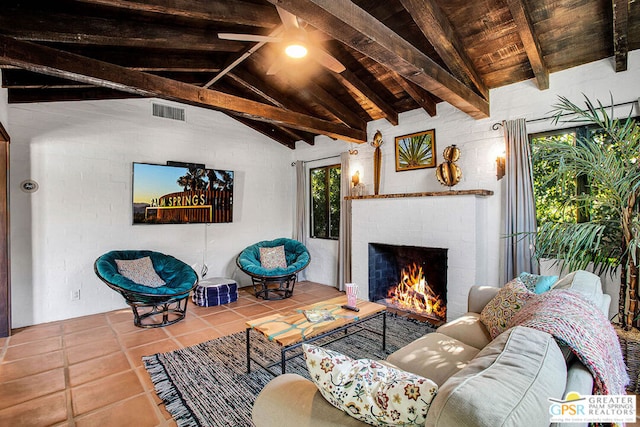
<point x="207" y="384"/>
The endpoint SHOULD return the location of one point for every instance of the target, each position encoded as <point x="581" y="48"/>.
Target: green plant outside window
<point x="325" y="202"/>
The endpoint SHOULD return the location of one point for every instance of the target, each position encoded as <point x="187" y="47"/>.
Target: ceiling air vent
<point x="168" y="112"/>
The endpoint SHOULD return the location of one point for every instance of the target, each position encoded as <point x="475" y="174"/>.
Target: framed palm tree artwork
<point x="416" y="150"/>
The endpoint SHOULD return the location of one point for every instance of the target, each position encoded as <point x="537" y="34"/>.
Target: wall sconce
<point x="357" y="187"/>
<point x="501" y="166"/>
<point x="355" y="179"/>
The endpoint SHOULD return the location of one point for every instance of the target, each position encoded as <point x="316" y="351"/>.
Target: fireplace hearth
<point x="409" y="280"/>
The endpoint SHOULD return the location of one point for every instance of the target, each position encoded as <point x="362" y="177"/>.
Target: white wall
<point x="478" y="143"/>
<point x="81" y="154"/>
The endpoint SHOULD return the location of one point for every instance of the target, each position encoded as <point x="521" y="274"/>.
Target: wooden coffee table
<point x="293" y="329"/>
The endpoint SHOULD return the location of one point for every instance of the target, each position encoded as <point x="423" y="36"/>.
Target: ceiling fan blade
<point x="289" y="20"/>
<point x="328" y="61"/>
<point x="248" y="37"/>
<point x="275" y="67"/>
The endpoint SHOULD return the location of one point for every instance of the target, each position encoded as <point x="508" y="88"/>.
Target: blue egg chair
<point x="275" y="283"/>
<point x="152" y="307"/>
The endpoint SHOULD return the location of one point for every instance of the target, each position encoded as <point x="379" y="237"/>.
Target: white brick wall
<point x="436" y="222"/>
<point x="81" y="154"/>
<point x="469" y="226"/>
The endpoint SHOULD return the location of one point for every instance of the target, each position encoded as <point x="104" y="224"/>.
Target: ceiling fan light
<point x="296" y="50"/>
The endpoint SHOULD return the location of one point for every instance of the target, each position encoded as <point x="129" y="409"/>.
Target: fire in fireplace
<point x="409" y="279"/>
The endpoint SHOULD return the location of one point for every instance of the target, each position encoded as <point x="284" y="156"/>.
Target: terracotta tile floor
<point x="88" y="372"/>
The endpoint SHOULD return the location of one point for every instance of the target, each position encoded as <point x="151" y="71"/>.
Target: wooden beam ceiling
<point x="530" y="40"/>
<point x="212" y="10"/>
<point x="421" y="96"/>
<point x="438" y="30"/>
<point x="351" y="81"/>
<point x="63" y="64"/>
<point x="353" y="26"/>
<point x="621" y="32"/>
<point x="398" y="54"/>
<point x="65" y="28"/>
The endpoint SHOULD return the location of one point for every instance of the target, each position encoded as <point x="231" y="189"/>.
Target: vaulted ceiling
<point x="398" y="55"/>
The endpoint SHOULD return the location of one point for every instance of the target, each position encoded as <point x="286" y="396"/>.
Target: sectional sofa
<point x="481" y="381"/>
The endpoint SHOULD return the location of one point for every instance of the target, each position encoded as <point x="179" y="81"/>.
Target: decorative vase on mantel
<point x="377" y="161"/>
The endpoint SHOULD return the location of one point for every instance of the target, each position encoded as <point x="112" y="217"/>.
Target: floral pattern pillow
<point x="509" y="300"/>
<point x="368" y="390"/>
<point x="140" y="271"/>
<point x="273" y="257"/>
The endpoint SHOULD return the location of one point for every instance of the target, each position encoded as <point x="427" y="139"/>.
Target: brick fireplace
<point x="455" y="222"/>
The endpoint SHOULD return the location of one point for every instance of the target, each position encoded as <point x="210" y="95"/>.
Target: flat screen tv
<point x="191" y="194"/>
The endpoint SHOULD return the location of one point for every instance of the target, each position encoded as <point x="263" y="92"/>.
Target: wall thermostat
<point x="29" y="186"/>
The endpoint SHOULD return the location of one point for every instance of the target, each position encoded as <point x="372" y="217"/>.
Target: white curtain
<point x="344" y="238"/>
<point x="299" y="230"/>
<point x="520" y="215"/>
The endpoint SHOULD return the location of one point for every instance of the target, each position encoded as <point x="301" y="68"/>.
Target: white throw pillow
<point x="368" y="390"/>
<point x="140" y="271"/>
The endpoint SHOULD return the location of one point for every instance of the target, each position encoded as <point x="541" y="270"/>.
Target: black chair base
<point x="284" y="290"/>
<point x="158" y="314"/>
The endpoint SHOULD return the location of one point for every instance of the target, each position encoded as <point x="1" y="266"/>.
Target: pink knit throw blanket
<point x="577" y="322"/>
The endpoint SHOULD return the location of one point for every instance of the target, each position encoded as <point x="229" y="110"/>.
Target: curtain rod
<point x="497" y="125"/>
<point x="315" y="160"/>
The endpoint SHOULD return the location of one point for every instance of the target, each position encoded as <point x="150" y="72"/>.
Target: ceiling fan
<point x="296" y="42"/>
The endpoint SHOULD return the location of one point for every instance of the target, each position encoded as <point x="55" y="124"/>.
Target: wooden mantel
<point x="482" y="193"/>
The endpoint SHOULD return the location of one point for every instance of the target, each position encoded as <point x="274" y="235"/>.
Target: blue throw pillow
<point x="537" y="283"/>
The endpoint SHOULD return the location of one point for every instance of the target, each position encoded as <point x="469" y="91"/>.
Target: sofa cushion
<point x="434" y="356"/>
<point x="509" y="300"/>
<point x="301" y="401"/>
<point x="519" y="370"/>
<point x="467" y="328"/>
<point x="583" y="282"/>
<point x="368" y="390"/>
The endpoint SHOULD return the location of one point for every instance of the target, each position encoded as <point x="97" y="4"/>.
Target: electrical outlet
<point x="75" y="295"/>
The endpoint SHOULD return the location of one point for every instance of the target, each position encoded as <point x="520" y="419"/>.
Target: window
<point x="325" y="202"/>
<point x="560" y="201"/>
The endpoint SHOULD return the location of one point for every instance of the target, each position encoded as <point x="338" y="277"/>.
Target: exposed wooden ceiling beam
<point x="530" y="41"/>
<point x="148" y="60"/>
<point x="268" y="93"/>
<point x="239" y="13"/>
<point x="267" y="130"/>
<point x="64" y="28"/>
<point x="345" y="21"/>
<point x="351" y="81"/>
<point x="328" y="101"/>
<point x="621" y="32"/>
<point x="21" y="79"/>
<point x="422" y="97"/>
<point x="293" y="134"/>
<point x="438" y="30"/>
<point x="46" y="60"/>
<point x="26" y="96"/>
<point x="272" y="96"/>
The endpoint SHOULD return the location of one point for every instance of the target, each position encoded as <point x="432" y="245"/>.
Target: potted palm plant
<point x="608" y="231"/>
